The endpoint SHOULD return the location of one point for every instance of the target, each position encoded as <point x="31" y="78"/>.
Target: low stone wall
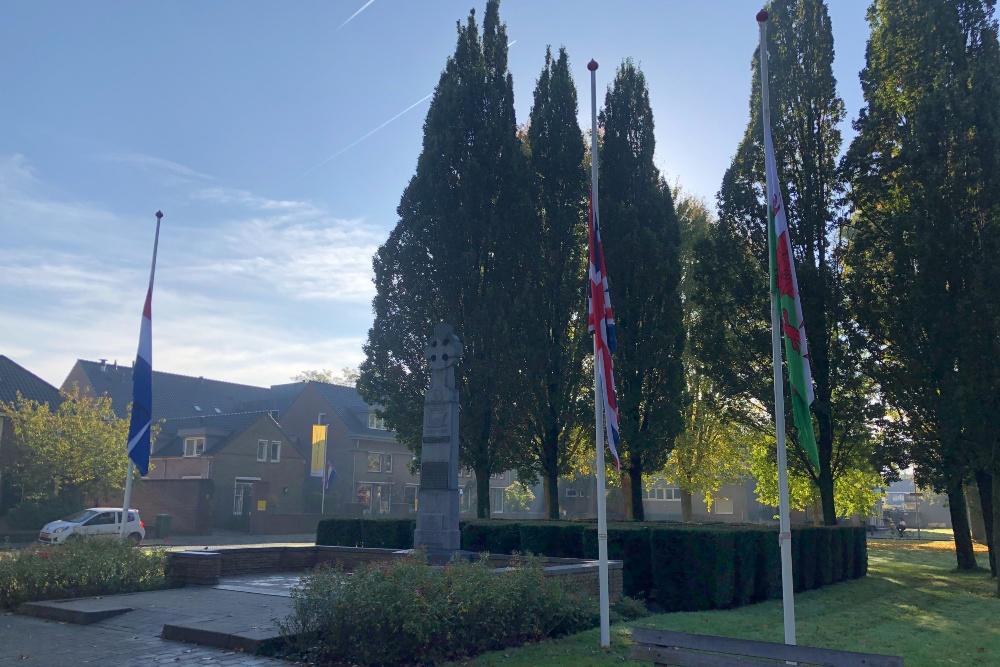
<point x="207" y="567"/>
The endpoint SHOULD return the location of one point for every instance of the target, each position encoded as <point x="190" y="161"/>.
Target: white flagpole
<point x="785" y="530"/>
<point x="131" y="466"/>
<point x="602" y="518"/>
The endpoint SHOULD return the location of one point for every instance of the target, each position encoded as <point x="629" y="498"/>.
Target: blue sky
<point x="242" y="121"/>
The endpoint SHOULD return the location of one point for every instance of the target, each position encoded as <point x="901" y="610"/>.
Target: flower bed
<point x="77" y="569"/>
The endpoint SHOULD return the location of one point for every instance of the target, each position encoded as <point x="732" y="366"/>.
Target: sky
<point x="277" y="139"/>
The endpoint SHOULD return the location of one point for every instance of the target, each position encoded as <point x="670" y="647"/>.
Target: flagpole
<point x="130" y="474"/>
<point x="602" y="518"/>
<point x="785" y="531"/>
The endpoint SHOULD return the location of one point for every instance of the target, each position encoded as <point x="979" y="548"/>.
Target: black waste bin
<point x="163" y="525"/>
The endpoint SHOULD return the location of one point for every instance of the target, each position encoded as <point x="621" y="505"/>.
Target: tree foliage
<point x="925" y="204"/>
<point x="641" y="242"/>
<point x="733" y="336"/>
<point x="346" y="376"/>
<point x="459" y="254"/>
<point x="80" y="445"/>
<point x="555" y="325"/>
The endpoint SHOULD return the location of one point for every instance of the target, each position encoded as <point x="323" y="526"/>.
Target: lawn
<point x="912" y="603"/>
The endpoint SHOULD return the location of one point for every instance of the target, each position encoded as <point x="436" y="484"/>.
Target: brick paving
<point x="32" y="641"/>
<point x="132" y="639"/>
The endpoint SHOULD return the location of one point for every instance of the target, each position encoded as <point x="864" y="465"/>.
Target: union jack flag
<point x="601" y="323"/>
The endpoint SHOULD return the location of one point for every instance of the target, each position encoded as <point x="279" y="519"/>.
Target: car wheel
<point x="135" y="538"/>
<point x="72" y="538"/>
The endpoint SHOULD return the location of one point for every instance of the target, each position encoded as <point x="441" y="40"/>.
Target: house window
<point x="375" y="422"/>
<point x="194" y="446"/>
<point x="465" y="499"/>
<point x="499" y="477"/>
<point x="496" y="500"/>
<point x="661" y="493"/>
<point x="723" y="506"/>
<point x="379" y="462"/>
<point x="410" y="497"/>
<point x="262" y="450"/>
<point x="275" y="451"/>
<point x="575" y="493"/>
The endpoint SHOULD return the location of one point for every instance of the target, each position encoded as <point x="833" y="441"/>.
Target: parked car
<point x="94" y="522"/>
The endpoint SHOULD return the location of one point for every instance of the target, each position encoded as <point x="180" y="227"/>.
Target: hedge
<point x="679" y="566"/>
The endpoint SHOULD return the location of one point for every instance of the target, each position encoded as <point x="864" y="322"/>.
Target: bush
<point x="632" y="546"/>
<point x="554" y="539"/>
<point x="768" y="566"/>
<point x="431" y="614"/>
<point x="824" y="556"/>
<point x="495" y="537"/>
<point x="34" y="515"/>
<point x="374" y="533"/>
<point x="628" y="609"/>
<point x="838" y="560"/>
<point x="860" y="552"/>
<point x="79" y="568"/>
<point x="746" y="566"/>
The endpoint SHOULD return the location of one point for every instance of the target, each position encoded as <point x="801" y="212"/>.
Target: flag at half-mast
<point x="141" y="420"/>
<point x="785" y="287"/>
<point x="601" y="323"/>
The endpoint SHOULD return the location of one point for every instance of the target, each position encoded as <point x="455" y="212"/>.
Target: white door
<point x="102" y="525"/>
<point x="242" y="496"/>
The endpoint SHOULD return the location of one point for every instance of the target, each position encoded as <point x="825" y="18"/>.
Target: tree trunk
<point x="483" y="492"/>
<point x="973" y="502"/>
<point x="826" y="492"/>
<point x="635" y="480"/>
<point x="965" y="556"/>
<point x="552" y="493"/>
<point x="984" y="482"/>
<point x="995" y="493"/>
<point x="686" y="510"/>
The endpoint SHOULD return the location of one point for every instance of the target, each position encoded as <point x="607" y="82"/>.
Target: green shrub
<point x="837" y="553"/>
<point x="824" y="556"/>
<point x="860" y="552"/>
<point x="34" y="515"/>
<point x="746" y="548"/>
<point x="79" y="568"/>
<point x="668" y="547"/>
<point x="631" y="545"/>
<point x="804" y="558"/>
<point x="374" y="533"/>
<point x="550" y="538"/>
<point x="495" y="537"/>
<point x="429" y="614"/>
<point x="628" y="609"/>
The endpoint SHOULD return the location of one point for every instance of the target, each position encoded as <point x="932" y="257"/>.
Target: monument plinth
<point x="437" y="509"/>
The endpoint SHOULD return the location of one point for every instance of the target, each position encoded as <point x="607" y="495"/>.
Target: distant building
<point x="16" y="380"/>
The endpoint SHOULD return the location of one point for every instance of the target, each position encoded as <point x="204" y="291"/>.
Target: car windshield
<point x="80" y="516"/>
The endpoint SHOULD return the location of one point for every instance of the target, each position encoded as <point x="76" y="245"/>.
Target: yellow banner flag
<point x="318" y="466"/>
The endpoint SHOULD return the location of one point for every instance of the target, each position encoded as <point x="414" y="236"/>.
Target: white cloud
<point x="235" y="299"/>
<point x="157" y="164"/>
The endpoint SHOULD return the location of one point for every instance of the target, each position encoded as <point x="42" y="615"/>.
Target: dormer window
<point x="377" y="423"/>
<point x="194" y="446"/>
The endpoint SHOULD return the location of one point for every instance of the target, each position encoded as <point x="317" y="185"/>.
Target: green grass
<point x="913" y="604"/>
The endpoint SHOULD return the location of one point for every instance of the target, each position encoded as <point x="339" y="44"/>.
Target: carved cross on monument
<point x="437" y="508"/>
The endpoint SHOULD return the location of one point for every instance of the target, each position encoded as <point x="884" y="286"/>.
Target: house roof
<point x="15" y="379"/>
<point x="352" y="410"/>
<point x="219" y="429"/>
<point x="175" y="395"/>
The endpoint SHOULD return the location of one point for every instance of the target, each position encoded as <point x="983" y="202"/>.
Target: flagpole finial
<point x="592" y="65"/>
<point x="762" y="16"/>
<point x="158" y="214"/>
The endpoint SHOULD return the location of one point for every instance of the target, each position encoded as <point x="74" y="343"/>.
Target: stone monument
<point x="437" y="508"/>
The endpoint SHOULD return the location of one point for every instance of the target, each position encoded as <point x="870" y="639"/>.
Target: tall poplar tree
<point x="556" y="325"/>
<point x="734" y="336"/>
<point x="642" y="250"/>
<point x="457" y="254"/>
<point x="923" y="181"/>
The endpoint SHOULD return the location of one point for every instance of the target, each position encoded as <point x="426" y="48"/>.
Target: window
<point x="275" y="451"/>
<point x="377" y="423"/>
<point x="410" y="497"/>
<point x="364" y="495"/>
<point x="465" y="499"/>
<point x="662" y="493"/>
<point x="496" y="500"/>
<point x="102" y="519"/>
<point x="499" y="477"/>
<point x="723" y="506"/>
<point x="379" y="462"/>
<point x="575" y="493"/>
<point x="262" y="450"/>
<point x="194" y="446"/>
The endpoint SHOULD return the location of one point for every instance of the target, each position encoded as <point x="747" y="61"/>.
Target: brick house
<point x="250" y="459"/>
<point x="17" y="380"/>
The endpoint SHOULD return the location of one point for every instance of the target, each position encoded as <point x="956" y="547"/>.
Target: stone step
<point x="81" y="611"/>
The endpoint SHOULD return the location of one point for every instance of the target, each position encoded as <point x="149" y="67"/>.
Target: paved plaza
<point x="247" y="606"/>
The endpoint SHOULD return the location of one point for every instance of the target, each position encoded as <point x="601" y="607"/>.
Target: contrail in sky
<point x="370" y="132"/>
<point x="355" y="14"/>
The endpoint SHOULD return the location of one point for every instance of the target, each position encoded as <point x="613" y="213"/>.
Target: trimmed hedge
<point x="681" y="566"/>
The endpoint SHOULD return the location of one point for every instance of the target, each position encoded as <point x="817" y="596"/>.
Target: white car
<point x="94" y="522"/>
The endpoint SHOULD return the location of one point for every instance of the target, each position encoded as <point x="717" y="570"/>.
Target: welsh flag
<point x="785" y="287"/>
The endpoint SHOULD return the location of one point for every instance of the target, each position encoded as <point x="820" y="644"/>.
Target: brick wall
<point x="188" y="501"/>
